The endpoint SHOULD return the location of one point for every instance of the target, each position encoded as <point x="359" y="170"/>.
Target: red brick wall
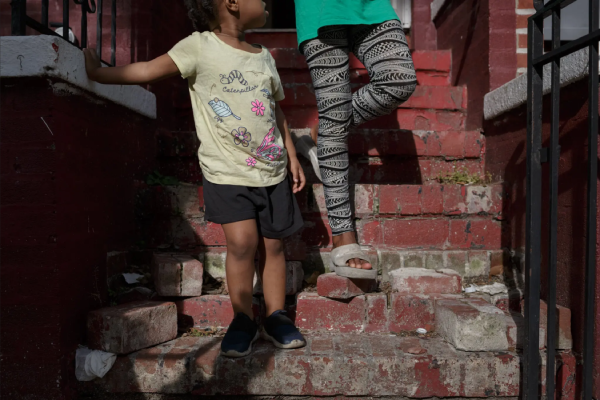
<point x="423" y="33"/>
<point x="506" y="160"/>
<point x="67" y="199"/>
<point x="524" y="10"/>
<point x="481" y="35"/>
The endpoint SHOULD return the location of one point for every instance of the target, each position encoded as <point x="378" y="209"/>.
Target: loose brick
<point x="471" y="325"/>
<point x="177" y="274"/>
<point x="425" y="281"/>
<point x="132" y="326"/>
<point x="319" y="313"/>
<point x="409" y="312"/>
<point x="337" y="287"/>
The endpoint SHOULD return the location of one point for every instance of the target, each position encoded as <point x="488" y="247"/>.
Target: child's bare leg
<point x="272" y="272"/>
<point x="242" y="241"/>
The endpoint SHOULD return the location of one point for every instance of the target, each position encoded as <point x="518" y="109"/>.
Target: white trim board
<point x="574" y="67"/>
<point x="52" y="56"/>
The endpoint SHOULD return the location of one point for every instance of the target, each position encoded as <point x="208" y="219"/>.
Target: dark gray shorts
<point x="274" y="208"/>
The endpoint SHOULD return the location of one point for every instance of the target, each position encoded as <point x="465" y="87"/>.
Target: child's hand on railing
<point x="92" y="63"/>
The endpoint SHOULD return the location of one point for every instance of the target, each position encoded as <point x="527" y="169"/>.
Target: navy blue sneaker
<point x="242" y="332"/>
<point x="280" y="330"/>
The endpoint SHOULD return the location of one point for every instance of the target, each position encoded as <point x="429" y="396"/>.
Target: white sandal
<point x="341" y="255"/>
<point x="306" y="146"/>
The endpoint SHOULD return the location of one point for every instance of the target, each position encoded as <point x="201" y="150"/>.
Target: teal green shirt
<point x="314" y="14"/>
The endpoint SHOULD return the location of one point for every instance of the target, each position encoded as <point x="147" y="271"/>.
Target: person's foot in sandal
<point x="350" y="238"/>
<point x="349" y="260"/>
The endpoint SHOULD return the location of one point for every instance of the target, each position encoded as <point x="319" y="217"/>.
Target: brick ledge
<point x="50" y="56"/>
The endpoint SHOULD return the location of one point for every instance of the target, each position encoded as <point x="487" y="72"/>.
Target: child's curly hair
<point x="202" y="13"/>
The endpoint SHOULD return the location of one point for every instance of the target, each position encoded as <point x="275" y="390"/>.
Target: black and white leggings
<point x="383" y="50"/>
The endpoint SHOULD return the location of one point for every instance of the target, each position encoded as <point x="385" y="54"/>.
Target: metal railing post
<point x="590" y="265"/>
<point x="533" y="211"/>
<point x="18" y="17"/>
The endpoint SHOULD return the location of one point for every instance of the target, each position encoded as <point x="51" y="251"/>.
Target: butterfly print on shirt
<point x="268" y="150"/>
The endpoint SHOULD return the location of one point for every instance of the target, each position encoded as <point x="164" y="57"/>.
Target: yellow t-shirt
<point x="233" y="96"/>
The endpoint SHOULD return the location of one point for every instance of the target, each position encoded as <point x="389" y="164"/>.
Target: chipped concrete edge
<point x="574" y="67"/>
<point x="51" y="56"/>
<point x="436" y="6"/>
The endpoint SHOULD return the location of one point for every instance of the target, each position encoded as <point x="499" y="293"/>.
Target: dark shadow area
<point x="506" y="160"/>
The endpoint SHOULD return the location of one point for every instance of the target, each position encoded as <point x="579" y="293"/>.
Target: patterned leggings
<point x="384" y="52"/>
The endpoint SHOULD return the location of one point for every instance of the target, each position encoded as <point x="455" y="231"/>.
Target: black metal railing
<point x="536" y="155"/>
<point x="20" y="21"/>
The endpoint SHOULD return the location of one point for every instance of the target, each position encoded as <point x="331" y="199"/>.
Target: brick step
<point x="432" y="216"/>
<point x="403" y="118"/>
<point x="450" y="145"/>
<point x="288" y="57"/>
<point x="424" y="97"/>
<point x="369" y="201"/>
<point x="360" y="76"/>
<point x="342" y="364"/>
<point x="389" y="170"/>
<point x="467" y="263"/>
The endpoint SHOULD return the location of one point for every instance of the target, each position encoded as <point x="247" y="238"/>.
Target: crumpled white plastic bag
<point x="92" y="364"/>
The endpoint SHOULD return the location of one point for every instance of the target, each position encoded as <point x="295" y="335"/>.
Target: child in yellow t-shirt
<point x="245" y="154"/>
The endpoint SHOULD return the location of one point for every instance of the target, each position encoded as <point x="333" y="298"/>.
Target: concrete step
<point x="424" y="97"/>
<point x="450" y="145"/>
<point x="341" y="364"/>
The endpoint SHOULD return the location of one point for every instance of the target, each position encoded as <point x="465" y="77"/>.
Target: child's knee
<point x="242" y="247"/>
<point x="397" y="92"/>
<point x="274" y="246"/>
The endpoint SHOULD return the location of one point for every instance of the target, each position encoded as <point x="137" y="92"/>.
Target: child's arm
<point x="293" y="163"/>
<point x="132" y="74"/>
